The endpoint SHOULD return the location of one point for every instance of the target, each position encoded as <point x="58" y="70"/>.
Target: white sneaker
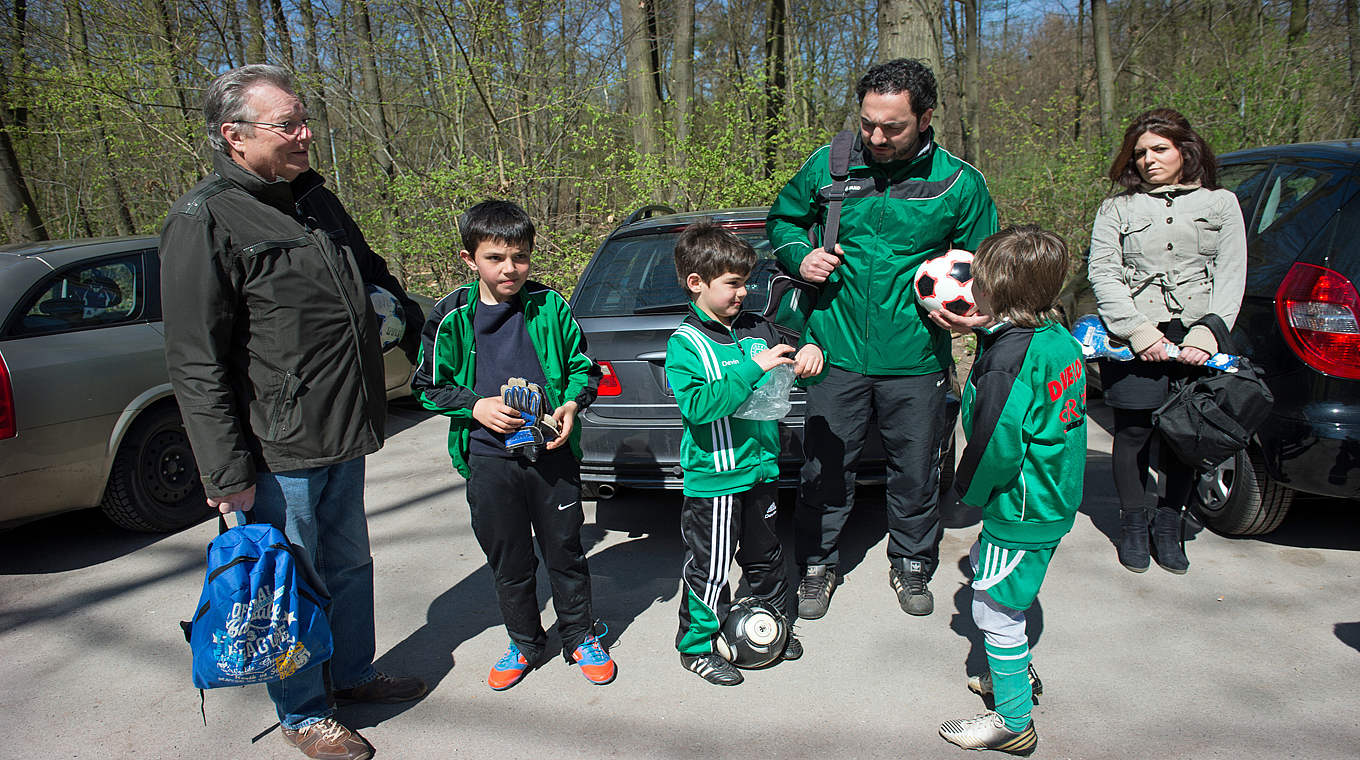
<point x="988" y="731"/>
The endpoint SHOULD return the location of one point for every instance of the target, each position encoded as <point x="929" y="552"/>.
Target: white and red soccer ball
<point x="946" y="282"/>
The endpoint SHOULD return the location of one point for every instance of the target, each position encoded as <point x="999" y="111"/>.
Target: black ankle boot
<point x="1133" y="539"/>
<point x="1166" y="538"/>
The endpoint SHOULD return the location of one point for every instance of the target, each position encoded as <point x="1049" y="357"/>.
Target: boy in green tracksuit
<point x="714" y="362"/>
<point x="1024" y="415"/>
<point x="521" y="461"/>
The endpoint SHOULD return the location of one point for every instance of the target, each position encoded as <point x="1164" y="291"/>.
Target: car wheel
<point x="154" y="484"/>
<point x="1238" y="498"/>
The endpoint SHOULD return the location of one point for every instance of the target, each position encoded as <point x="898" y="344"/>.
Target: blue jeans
<point x="321" y="510"/>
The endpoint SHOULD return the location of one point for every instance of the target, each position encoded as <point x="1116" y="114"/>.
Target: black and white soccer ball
<point x="946" y="282"/>
<point x="391" y="317"/>
<point x="753" y="635"/>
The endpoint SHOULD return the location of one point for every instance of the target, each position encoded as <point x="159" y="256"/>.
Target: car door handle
<point x="652" y="356"/>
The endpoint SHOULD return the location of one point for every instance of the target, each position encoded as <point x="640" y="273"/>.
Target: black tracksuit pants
<point x="715" y="529"/>
<point x="911" y="415"/>
<point x="514" y="501"/>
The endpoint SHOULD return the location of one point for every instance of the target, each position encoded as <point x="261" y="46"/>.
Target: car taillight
<point x="8" y="427"/>
<point x="609" y="383"/>
<point x="1316" y="308"/>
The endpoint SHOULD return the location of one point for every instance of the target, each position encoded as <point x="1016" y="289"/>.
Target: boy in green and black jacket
<point x="714" y="362"/>
<point x="1024" y="415"/>
<point x="523" y="477"/>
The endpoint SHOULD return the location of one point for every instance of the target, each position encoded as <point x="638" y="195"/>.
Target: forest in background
<point x="583" y="110"/>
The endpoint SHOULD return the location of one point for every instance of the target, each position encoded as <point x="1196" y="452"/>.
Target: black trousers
<point x="911" y="415"/>
<point x="715" y="529"/>
<point x="513" y="502"/>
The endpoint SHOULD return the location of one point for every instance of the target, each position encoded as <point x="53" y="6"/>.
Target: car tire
<point x="154" y="486"/>
<point x="1238" y="498"/>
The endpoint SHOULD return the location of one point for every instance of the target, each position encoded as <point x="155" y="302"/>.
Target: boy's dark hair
<point x="1198" y="163"/>
<point x="496" y="220"/>
<point x="908" y="75"/>
<point x="1021" y="269"/>
<point x="710" y="251"/>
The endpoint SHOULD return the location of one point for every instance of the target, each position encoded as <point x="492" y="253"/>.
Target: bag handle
<point x="1219" y="328"/>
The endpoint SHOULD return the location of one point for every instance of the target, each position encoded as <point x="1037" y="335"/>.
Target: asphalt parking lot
<point x="1254" y="654"/>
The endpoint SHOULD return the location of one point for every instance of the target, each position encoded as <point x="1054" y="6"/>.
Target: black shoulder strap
<point x="841" y="146"/>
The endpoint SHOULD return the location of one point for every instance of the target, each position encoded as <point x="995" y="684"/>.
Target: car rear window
<point x="636" y="275"/>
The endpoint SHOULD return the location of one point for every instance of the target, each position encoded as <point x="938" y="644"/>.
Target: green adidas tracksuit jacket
<point x="895" y="216"/>
<point x="1024" y="415"/>
<point x="445" y="376"/>
<point x="710" y="369"/>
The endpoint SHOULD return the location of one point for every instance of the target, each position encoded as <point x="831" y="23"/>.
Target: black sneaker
<point x="712" y="668"/>
<point x="814" y="591"/>
<point x="793" y="649"/>
<point x="982" y="685"/>
<point x="988" y="731"/>
<point x="910" y="585"/>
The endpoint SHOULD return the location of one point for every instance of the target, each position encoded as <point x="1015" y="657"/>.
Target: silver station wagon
<point x="87" y="417"/>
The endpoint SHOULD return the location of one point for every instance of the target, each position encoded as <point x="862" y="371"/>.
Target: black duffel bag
<point x="1213" y="417"/>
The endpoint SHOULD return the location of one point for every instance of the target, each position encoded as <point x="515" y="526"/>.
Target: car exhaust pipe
<point x="606" y="490"/>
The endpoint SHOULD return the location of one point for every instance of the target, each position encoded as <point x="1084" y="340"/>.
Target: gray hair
<point x="225" y="100"/>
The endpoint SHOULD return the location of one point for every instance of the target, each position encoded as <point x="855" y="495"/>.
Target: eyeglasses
<point x="290" y="128"/>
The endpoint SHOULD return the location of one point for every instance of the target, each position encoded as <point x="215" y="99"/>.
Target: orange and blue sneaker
<point x="509" y="670"/>
<point x="596" y="665"/>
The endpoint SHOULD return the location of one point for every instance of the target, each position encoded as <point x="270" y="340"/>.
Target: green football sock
<point x="1010" y="684"/>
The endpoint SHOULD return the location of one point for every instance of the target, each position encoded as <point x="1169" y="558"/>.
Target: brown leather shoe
<point x="383" y="689"/>
<point x="327" y="739"/>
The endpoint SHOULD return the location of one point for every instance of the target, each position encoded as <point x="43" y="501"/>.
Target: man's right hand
<point x="493" y="414"/>
<point x="818" y="264"/>
<point x="773" y="357"/>
<point x="241" y="501"/>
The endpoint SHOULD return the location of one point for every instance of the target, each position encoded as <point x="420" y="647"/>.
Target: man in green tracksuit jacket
<point x="906" y="200"/>
<point x="1024" y="415"/>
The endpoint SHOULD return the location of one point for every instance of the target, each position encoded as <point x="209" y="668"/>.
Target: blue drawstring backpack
<point x="260" y="617"/>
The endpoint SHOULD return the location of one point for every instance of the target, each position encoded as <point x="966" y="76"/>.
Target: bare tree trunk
<point x="1353" y="48"/>
<point x="372" y="88"/>
<point x="1079" y="87"/>
<point x="971" y="78"/>
<point x="682" y="76"/>
<point x="642" y="102"/>
<point x="315" y="95"/>
<point x="1100" y="36"/>
<point x="776" y="77"/>
<point x="21" y="213"/>
<point x="255" y="33"/>
<point x="122" y="216"/>
<point x="237" y="39"/>
<point x="910" y="29"/>
<point x="1298" y="30"/>
<point x="281" y="32"/>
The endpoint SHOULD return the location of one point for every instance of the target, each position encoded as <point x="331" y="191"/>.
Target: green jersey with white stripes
<point x="711" y="371"/>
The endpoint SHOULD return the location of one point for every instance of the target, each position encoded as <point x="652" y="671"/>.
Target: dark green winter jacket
<point x="895" y="216"/>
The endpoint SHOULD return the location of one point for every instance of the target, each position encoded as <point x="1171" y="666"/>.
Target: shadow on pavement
<point x="69" y="541"/>
<point x="1349" y="633"/>
<point x="1317" y="522"/>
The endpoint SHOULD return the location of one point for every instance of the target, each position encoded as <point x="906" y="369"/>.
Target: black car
<point x="628" y="302"/>
<point x="1299" y="323"/>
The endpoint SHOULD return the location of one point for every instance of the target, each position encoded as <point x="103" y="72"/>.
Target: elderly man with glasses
<point x="274" y="356"/>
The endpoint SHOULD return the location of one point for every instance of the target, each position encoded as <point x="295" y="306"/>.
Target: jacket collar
<point x="1168" y="189"/>
<point x="279" y="193"/>
<point x="859" y="158"/>
<point x="710" y="327"/>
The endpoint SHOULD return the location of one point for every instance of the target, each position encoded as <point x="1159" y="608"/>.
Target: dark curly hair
<point x="908" y="75"/>
<point x="1198" y="162"/>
